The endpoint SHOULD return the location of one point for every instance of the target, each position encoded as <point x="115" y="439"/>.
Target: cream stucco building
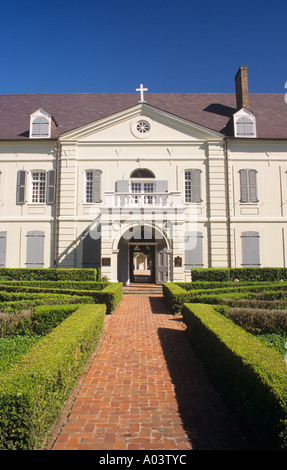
<point x="186" y="180"/>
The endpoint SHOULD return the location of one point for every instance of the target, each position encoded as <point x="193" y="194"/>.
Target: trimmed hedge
<point x="82" y="285"/>
<point x="176" y="296"/>
<point x="243" y="274"/>
<point x="50" y="274"/>
<point x="109" y="295"/>
<point x="32" y="302"/>
<point x="33" y="392"/>
<point x="252" y="377"/>
<point x="259" y="321"/>
<point x="40" y="321"/>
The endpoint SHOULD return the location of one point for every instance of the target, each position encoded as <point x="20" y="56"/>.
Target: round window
<point x="143" y="127"/>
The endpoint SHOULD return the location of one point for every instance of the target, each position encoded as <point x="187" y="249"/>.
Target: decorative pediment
<point x="141" y="123"/>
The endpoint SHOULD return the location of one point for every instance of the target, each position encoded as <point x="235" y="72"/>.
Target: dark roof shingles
<point x="75" y="110"/>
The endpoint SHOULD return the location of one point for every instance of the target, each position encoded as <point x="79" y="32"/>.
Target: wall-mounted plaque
<point x="106" y="261"/>
<point x="178" y="262"/>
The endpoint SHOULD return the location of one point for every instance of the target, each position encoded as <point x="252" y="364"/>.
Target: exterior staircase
<point x="142" y="289"/>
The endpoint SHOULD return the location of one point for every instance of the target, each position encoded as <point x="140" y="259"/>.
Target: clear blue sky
<point x="109" y="46"/>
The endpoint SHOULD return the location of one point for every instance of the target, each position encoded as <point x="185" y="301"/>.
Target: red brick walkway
<point x="145" y="389"/>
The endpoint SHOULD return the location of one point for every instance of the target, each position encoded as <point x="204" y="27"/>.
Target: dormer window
<point x="40" y="125"/>
<point x="244" y="124"/>
<point x="244" y="127"/>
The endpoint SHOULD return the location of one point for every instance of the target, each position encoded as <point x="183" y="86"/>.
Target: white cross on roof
<point x="142" y="89"/>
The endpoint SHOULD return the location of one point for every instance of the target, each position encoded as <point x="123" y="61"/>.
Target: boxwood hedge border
<point x="251" y="377"/>
<point x="33" y="392"/>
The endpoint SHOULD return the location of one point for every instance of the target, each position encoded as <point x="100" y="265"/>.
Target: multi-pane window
<point x="93" y="186"/>
<point x="38" y="179"/>
<point x="248" y="185"/>
<point x="136" y="187"/>
<point x="144" y="189"/>
<point x="89" y="186"/>
<point x="192" y="185"/>
<point x="188" y="192"/>
<point x="148" y="188"/>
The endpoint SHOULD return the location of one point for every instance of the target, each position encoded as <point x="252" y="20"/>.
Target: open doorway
<point x="143" y="259"/>
<point x="142" y="263"/>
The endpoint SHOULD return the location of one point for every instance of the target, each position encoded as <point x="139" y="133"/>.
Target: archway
<point x="149" y="243"/>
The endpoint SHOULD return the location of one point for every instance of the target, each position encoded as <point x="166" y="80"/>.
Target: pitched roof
<point x="74" y="110"/>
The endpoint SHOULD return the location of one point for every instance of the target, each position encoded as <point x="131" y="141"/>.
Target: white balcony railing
<point x="146" y="200"/>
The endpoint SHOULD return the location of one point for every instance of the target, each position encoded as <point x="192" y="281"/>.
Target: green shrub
<point x="47" y="317"/>
<point x="251" y="377"/>
<point x="259" y="321"/>
<point x="50" y="274"/>
<point x="30" y="303"/>
<point x="242" y="274"/>
<point x="256" y="303"/>
<point x="38" y="321"/>
<point x="174" y="295"/>
<point x="33" y="392"/>
<point x="110" y="295"/>
<point x="210" y="274"/>
<point x="76" y="285"/>
<point x="11" y="324"/>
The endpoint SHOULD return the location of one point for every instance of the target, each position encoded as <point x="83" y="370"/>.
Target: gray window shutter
<point x="51" y="186"/>
<point x="97" y="185"/>
<point x="243" y="186"/>
<point x="91" y="252"/>
<point x="196" y="187"/>
<point x="40" y="127"/>
<point x="35" y="249"/>
<point x="122" y="186"/>
<point x="245" y="126"/>
<point x="193" y="250"/>
<point x="161" y="186"/>
<point x="3" y="238"/>
<point x="250" y="249"/>
<point x="20" y="190"/>
<point x="248" y="185"/>
<point x="252" y="185"/>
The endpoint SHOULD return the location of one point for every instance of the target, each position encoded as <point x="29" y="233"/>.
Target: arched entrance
<point x="143" y="257"/>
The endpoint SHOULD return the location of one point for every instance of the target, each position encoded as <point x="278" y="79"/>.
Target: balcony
<point x="143" y="199"/>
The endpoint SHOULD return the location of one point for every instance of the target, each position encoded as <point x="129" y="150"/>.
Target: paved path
<point x="145" y="389"/>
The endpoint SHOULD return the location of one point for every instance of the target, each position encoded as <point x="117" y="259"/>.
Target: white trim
<point x="247" y="114"/>
<point x="30" y="183"/>
<point x="43" y="114"/>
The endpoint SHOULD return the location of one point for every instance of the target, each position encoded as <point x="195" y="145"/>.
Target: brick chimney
<point x="241" y="88"/>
